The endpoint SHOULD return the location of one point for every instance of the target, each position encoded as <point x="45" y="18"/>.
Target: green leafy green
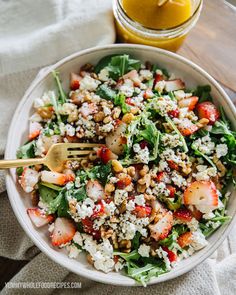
<point x="19" y="170"/>
<point x="100" y="172"/>
<point x="122" y="64"/>
<point x="106" y="92"/>
<point x="63" y="207"/>
<point x="173" y="204"/>
<point x="51" y="185"/>
<point x="103" y="63"/>
<point x="203" y="92"/>
<point x="62" y="96"/>
<point x="26" y="151"/>
<point x="136" y="241"/>
<point x="80" y="193"/>
<point x="119" y="100"/>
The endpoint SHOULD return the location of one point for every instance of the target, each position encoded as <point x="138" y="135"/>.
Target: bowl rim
<point x="43" y="74"/>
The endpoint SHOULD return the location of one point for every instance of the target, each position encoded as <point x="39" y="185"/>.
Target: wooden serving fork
<point x="56" y="156"/>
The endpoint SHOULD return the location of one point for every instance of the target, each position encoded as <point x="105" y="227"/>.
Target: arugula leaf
<point x="63" y="207"/>
<point x="136" y="241"/>
<point x="203" y="92"/>
<point x="185" y="147"/>
<point x="103" y="63"/>
<point x="80" y="193"/>
<point x="200" y="154"/>
<point x="106" y="92"/>
<point x="134" y="255"/>
<point x="47" y="195"/>
<point x="100" y="172"/>
<point x="119" y="100"/>
<point x="19" y="170"/>
<point x="26" y="151"/>
<point x="173" y="205"/>
<point x="51" y="185"/>
<point x="62" y="95"/>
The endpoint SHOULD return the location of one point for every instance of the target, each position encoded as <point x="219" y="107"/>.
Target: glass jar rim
<point x="170" y="32"/>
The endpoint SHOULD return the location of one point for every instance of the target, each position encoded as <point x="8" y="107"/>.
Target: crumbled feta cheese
<point x="70" y="130"/>
<point x="78" y="239"/>
<point x="120" y="196"/>
<point x="178" y="179"/>
<point x="198" y="240"/>
<point x="204" y="172"/>
<point x="221" y="150"/>
<point x="163" y="254"/>
<point x="130" y="206"/>
<point x="144" y="250"/>
<point x="73" y="251"/>
<point x="103" y="75"/>
<point x="171" y="140"/>
<point x="86" y="209"/>
<point x="39" y="147"/>
<point x="140" y="200"/>
<point x="142" y="155"/>
<point x="127" y="88"/>
<point x="205" y="145"/>
<point x="36" y="118"/>
<point x="88" y="83"/>
<point x="160" y="86"/>
<point x="145" y="75"/>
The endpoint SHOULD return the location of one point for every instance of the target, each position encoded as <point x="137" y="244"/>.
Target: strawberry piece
<point x="173" y="165"/>
<point x="94" y="190"/>
<point x="28" y="179"/>
<point x="148" y="94"/>
<point x="160" y="176"/>
<point x="56" y="178"/>
<point x="129" y="101"/>
<point x="74" y="81"/>
<point x="143" y="144"/>
<point x="64" y="231"/>
<point x="123" y="181"/>
<point x="171" y="255"/>
<point x="98" y="211"/>
<point x="209" y="111"/>
<point x="161" y="229"/>
<point x="72" y="138"/>
<point x="201" y="193"/>
<point x="88" y="109"/>
<point x="185" y="239"/>
<point x="187" y="128"/>
<point x="174" y="113"/>
<point x="142" y="211"/>
<point x="196" y="213"/>
<point x="88" y="228"/>
<point x="183" y="214"/>
<point x="105" y="154"/>
<point x="157" y="79"/>
<point x="172" y="190"/>
<point x="34" y="130"/>
<point x="173" y="85"/>
<point x="38" y="217"/>
<point x="189" y="103"/>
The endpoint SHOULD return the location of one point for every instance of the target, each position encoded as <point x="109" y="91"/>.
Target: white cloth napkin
<point x="37" y="33"/>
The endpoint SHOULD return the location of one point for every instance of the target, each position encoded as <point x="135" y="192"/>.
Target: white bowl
<point x="192" y="74"/>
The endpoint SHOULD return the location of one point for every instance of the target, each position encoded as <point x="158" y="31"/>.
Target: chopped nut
<point x="114" y="241"/>
<point x="144" y="170"/>
<point x="134" y="110"/>
<point x="122" y="207"/>
<point x="141" y="188"/>
<point x="45" y="112"/>
<point x="131" y="171"/>
<point x="202" y="122"/>
<point x="116" y="113"/>
<point x="125" y="244"/>
<point x="89" y="259"/>
<point x="107" y="119"/>
<point x="98" y="117"/>
<point x="87" y="67"/>
<point x="128" y="118"/>
<point x="116" y="165"/>
<point x="72" y="206"/>
<point x="109" y="187"/>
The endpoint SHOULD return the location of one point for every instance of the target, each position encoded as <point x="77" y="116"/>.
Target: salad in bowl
<point x="156" y="188"/>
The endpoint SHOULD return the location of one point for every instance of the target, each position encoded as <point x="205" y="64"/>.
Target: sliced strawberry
<point x="105" y="154"/>
<point x="56" y="178"/>
<point x="99" y="210"/>
<point x="160" y="176"/>
<point x="161" y="229"/>
<point x="173" y="165"/>
<point x="201" y="193"/>
<point x="148" y="94"/>
<point x="157" y="79"/>
<point x="209" y="111"/>
<point x="172" y="190"/>
<point x="173" y="85"/>
<point x="74" y="81"/>
<point x="187" y="128"/>
<point x="129" y="101"/>
<point x="29" y="178"/>
<point x="183" y="214"/>
<point x="88" y="228"/>
<point x="189" y="103"/>
<point x="38" y="217"/>
<point x="94" y="190"/>
<point x="64" y="231"/>
<point x="174" y="113"/>
<point x="142" y="211"/>
<point x="185" y="239"/>
<point x="124" y="180"/>
<point x="196" y="213"/>
<point x="34" y="130"/>
<point x="72" y="138"/>
<point x="171" y="255"/>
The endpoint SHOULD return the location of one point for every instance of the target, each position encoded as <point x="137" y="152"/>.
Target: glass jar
<point x="130" y="31"/>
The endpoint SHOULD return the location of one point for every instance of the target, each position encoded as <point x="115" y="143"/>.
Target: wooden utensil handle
<point x="20" y="163"/>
